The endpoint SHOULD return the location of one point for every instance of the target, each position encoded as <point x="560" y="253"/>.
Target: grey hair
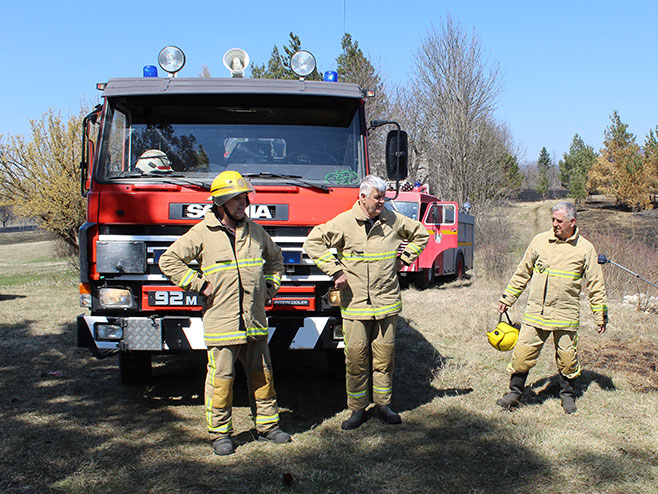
<point x="567" y="207"/>
<point x="372" y="182"/>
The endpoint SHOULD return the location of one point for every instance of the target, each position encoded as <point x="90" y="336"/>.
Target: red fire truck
<point x="303" y="145"/>
<point x="450" y="248"/>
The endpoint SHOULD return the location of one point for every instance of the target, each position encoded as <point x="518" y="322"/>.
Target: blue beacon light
<point x="150" y="71"/>
<point x="331" y="76"/>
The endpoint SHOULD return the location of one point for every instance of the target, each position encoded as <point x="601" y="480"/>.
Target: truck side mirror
<point x="396" y="155"/>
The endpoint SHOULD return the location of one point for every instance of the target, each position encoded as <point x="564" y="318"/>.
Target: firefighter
<point x="555" y="261"/>
<point x="367" y="238"/>
<point x="240" y="271"/>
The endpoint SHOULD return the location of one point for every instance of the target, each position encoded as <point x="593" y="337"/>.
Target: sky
<point x="565" y="66"/>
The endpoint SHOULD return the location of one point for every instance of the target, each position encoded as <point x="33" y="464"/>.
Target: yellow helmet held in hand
<point x="505" y="335"/>
<point x="228" y="184"/>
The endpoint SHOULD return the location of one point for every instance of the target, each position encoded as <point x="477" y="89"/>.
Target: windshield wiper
<point x="297" y="179"/>
<point x="162" y="178"/>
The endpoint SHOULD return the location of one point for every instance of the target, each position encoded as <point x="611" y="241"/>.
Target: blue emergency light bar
<point x="331" y="76"/>
<point x="150" y="71"/>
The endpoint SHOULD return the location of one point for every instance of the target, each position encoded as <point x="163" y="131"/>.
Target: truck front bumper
<point x="107" y="334"/>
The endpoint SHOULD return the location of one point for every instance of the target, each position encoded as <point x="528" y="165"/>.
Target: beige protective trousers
<point x="531" y="341"/>
<point x="369" y="353"/>
<point x="255" y="359"/>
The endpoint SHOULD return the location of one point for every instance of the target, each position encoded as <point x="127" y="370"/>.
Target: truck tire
<point x="460" y="267"/>
<point x="424" y="278"/>
<point x="134" y="367"/>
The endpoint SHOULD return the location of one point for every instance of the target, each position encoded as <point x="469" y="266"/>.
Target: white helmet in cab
<point x="153" y="161"/>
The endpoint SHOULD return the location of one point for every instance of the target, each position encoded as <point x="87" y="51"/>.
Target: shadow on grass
<point x="416" y="364"/>
<point x="77" y="430"/>
<point x="6" y="296"/>
<point x="549" y="387"/>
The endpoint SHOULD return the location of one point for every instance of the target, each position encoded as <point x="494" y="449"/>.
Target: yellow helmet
<point x="228" y="184"/>
<point x="505" y="335"/>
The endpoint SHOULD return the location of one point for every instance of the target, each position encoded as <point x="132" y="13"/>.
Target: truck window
<point x="320" y="140"/>
<point x="435" y="214"/>
<point x="448" y="214"/>
<point x="407" y="208"/>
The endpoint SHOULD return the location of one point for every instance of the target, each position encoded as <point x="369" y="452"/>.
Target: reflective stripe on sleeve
<point x="329" y="256"/>
<point x="187" y="279"/>
<point x="512" y="291"/>
<point x="415" y="247"/>
<point x="274" y="278"/>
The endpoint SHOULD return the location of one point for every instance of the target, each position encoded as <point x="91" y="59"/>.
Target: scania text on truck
<point x="160" y="141"/>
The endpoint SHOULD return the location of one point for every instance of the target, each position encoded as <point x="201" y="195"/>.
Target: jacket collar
<point x="212" y="221"/>
<point x="361" y="217"/>
<point x="571" y="239"/>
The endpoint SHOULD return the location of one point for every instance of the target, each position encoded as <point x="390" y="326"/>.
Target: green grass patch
<point x="20" y="279"/>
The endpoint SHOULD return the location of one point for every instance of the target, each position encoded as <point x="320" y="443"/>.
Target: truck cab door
<point x="432" y="253"/>
<point x="449" y="233"/>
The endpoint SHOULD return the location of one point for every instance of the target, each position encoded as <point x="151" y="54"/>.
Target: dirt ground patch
<point x="602" y="215"/>
<point x="637" y="361"/>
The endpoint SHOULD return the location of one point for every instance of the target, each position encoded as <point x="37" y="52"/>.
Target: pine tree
<point x="620" y="169"/>
<point x="278" y="66"/>
<point x="544" y="164"/>
<point x="574" y="168"/>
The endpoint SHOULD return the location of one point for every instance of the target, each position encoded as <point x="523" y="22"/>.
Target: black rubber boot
<point x="277" y="436"/>
<point x="223" y="446"/>
<point x="387" y="415"/>
<point x="567" y="394"/>
<point x="357" y="418"/>
<point x="512" y="399"/>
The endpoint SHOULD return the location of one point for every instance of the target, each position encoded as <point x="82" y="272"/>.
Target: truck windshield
<point x="407" y="208"/>
<point x="317" y="139"/>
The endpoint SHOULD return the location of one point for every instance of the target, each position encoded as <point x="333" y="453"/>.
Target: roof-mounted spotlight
<point x="171" y="59"/>
<point x="236" y="61"/>
<point x="302" y="63"/>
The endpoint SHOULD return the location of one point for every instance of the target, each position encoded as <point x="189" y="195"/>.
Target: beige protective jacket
<point x="251" y="274"/>
<point x="368" y="261"/>
<point x="556" y="268"/>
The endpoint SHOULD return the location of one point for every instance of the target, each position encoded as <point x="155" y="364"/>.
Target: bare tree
<point x="449" y="111"/>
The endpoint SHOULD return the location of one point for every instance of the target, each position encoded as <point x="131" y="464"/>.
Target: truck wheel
<point x="460" y="270"/>
<point x="134" y="367"/>
<point x="424" y="278"/>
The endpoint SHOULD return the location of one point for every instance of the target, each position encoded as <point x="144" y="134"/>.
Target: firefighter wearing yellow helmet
<point x="239" y="270"/>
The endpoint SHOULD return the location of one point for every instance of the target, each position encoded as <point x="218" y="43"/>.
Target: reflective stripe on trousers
<point x="365" y="339"/>
<point x="255" y="359"/>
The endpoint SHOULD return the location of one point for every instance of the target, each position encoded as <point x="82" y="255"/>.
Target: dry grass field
<point x="68" y="426"/>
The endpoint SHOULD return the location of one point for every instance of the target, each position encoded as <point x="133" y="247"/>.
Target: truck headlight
<point x="108" y="332"/>
<point x="115" y="298"/>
